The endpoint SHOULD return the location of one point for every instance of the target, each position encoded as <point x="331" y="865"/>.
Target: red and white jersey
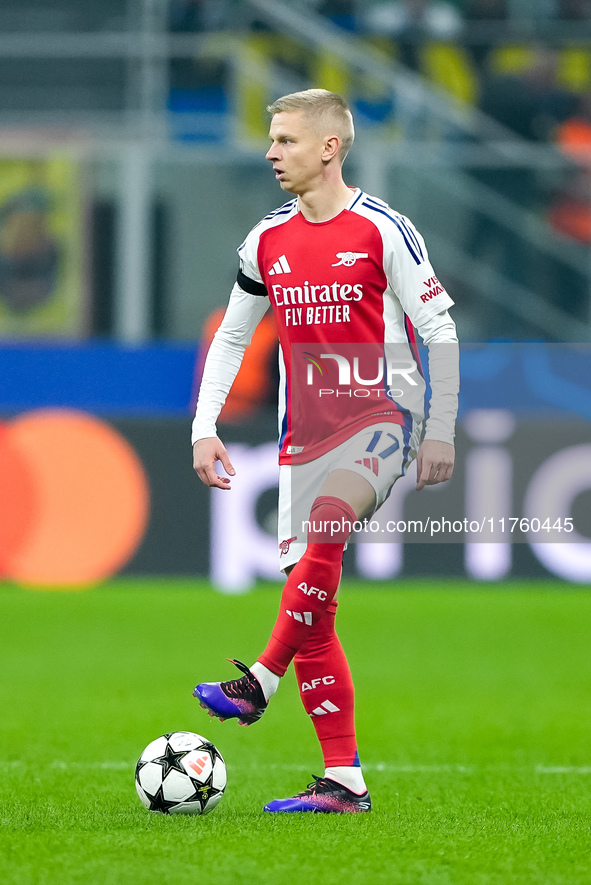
<point x="361" y="279"/>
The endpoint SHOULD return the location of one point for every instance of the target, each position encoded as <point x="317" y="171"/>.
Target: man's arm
<point x="224" y="358"/>
<point x="426" y="303"/>
<point x="435" y="459"/>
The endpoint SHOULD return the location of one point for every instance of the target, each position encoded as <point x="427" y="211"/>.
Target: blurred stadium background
<point x="131" y="142"/>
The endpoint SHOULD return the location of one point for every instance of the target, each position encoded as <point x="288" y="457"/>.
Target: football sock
<point x="347" y="775"/>
<point x="326" y="690"/>
<point x="312" y="583"/>
<point x="269" y="681"/>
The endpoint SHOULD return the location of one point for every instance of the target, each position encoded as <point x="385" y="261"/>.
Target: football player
<point x="348" y="279"/>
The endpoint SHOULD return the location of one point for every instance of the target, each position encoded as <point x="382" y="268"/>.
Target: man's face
<point x="296" y="151"/>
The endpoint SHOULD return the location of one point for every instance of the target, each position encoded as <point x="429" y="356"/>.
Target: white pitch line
<point x="563" y="769"/>
<point x="273" y="766"/>
<point x="379" y="766"/>
<point x="453" y="768"/>
<point x="70" y="766"/>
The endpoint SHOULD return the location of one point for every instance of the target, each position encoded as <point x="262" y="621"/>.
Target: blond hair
<point x="325" y="109"/>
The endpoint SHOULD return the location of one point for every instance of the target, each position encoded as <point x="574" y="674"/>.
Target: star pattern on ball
<point x="215" y="753"/>
<point x="171" y="761"/>
<point x="159" y="803"/>
<point x="203" y="791"/>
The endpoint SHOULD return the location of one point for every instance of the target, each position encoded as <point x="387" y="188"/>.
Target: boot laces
<point x="318" y="785"/>
<point x="244" y="685"/>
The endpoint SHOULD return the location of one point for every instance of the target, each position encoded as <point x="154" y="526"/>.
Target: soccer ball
<point x="180" y="773"/>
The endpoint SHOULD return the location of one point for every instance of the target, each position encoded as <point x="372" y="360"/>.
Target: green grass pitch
<point x="474" y="726"/>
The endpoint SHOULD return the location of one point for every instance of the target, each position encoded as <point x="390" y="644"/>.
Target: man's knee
<point x="331" y="521"/>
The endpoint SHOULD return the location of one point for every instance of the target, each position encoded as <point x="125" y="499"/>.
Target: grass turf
<point x="474" y="723"/>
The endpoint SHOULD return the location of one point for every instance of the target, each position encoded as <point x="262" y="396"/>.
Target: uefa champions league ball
<point x="180" y="773"/>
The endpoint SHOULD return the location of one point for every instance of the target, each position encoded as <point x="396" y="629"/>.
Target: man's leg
<point x="324" y="678"/>
<point x="328" y="696"/>
<point x="310" y="587"/>
<point x="308" y="591"/>
<point x="313" y="582"/>
<point x="327" y="693"/>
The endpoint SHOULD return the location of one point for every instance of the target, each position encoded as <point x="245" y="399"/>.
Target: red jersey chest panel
<point x="325" y="281"/>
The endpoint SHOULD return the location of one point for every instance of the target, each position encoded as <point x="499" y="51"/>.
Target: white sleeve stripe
<point x="418" y="258"/>
<point x="399" y="220"/>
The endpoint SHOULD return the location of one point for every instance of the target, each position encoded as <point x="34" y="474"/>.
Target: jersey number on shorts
<point x="387" y="451"/>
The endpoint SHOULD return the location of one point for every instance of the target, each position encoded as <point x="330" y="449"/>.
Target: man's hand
<point x="435" y="463"/>
<point x="205" y="454"/>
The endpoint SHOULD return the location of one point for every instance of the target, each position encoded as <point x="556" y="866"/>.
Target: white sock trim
<point x="349" y="776"/>
<point x="269" y="681"/>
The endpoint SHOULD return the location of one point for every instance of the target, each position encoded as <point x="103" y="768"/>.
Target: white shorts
<point x="380" y="454"/>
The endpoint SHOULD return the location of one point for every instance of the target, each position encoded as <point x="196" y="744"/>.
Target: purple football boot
<point x="241" y="699"/>
<point x="324" y="796"/>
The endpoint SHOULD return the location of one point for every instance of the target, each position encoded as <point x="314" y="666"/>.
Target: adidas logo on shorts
<point x="371" y="463"/>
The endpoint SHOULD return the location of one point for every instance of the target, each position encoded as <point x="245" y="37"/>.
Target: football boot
<point x="241" y="699"/>
<point x="323" y="796"/>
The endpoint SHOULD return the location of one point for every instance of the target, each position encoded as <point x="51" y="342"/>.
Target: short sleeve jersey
<point x="361" y="278"/>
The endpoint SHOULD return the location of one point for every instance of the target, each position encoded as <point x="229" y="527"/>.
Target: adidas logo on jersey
<point x="324" y="708"/>
<point x="280" y="266"/>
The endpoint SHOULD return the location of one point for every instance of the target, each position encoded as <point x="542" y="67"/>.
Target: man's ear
<point x="332" y="146"/>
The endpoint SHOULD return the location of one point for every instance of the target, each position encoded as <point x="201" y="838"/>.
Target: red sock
<point x="326" y="689"/>
<point x="312" y="584"/>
